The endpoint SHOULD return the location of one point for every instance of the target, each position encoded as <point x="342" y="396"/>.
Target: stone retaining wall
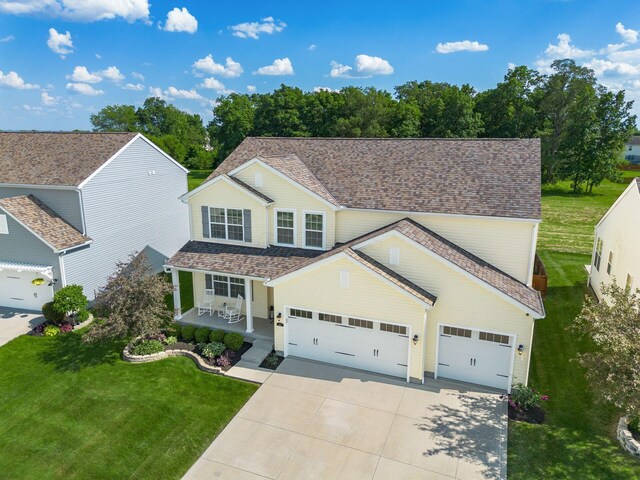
<point x="85" y="323"/>
<point x="626" y="439"/>
<point x="200" y="363"/>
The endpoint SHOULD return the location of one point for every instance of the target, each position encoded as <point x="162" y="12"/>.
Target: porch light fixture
<point x="279" y="317"/>
<point x="520" y="349"/>
<point x="415" y="339"/>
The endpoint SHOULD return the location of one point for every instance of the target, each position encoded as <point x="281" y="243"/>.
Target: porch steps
<point x="259" y="351"/>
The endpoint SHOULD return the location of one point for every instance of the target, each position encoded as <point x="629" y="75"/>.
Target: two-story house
<point x="73" y="204"/>
<point x="399" y="256"/>
<point x="632" y="150"/>
<point x="616" y="246"/>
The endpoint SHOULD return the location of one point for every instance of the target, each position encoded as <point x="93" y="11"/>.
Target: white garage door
<point x="356" y="343"/>
<point x="475" y="356"/>
<point x="17" y="291"/>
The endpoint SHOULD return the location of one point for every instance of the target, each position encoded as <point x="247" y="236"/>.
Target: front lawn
<point x="196" y="177"/>
<point x="70" y="410"/>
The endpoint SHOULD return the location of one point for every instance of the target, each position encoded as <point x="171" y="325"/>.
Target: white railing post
<point x="249" y="294"/>
<point x="177" y="306"/>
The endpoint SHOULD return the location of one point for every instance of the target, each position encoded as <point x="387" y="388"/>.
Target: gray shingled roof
<point x="39" y="218"/>
<point x="490" y="177"/>
<point x="55" y="158"/>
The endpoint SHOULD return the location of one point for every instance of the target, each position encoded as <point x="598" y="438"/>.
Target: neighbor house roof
<point x="56" y="158"/>
<point x="44" y="222"/>
<point x="635" y="140"/>
<point x="488" y="177"/>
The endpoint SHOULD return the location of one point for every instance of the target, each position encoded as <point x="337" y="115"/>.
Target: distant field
<point x="568" y="219"/>
<point x="196" y="177"/>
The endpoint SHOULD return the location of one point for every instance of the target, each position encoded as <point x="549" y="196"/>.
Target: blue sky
<point x="53" y="80"/>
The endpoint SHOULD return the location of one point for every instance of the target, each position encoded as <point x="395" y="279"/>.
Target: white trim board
<point x="228" y="181"/>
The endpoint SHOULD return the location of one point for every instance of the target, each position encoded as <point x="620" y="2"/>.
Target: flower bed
<point x="524" y="404"/>
<point x="272" y="361"/>
<point x="51" y="328"/>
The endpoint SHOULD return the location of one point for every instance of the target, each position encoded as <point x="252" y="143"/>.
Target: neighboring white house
<point x="632" y="150"/>
<point x="616" y="247"/>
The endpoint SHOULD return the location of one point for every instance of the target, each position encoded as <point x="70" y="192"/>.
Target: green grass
<point x="186" y="291"/>
<point x="196" y="177"/>
<point x="75" y="411"/>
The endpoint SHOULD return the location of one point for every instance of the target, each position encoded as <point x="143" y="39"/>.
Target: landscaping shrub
<point x="51" y="331"/>
<point x="50" y="314"/>
<point x="69" y="299"/>
<point x="217" y="336"/>
<point x="82" y="316"/>
<point x="634" y="424"/>
<point x="170" y="340"/>
<point x="202" y="334"/>
<point x="213" y="349"/>
<point x="272" y="360"/>
<point x="66" y="328"/>
<point x="173" y="330"/>
<point x="148" y="347"/>
<point x="233" y="341"/>
<point x="187" y="332"/>
<point x="525" y="397"/>
<point x="223" y="360"/>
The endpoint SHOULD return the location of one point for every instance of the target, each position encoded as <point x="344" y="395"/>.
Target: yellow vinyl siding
<point x="460" y="301"/>
<point x="619" y="232"/>
<point x="505" y="244"/>
<point x="259" y="305"/>
<point x="289" y="197"/>
<point x="368" y="296"/>
<point x="222" y="194"/>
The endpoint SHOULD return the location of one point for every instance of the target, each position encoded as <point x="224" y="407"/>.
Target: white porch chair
<point x="233" y="314"/>
<point x="206" y="306"/>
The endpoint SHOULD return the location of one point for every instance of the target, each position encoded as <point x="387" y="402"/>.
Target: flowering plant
<point x="525" y="398"/>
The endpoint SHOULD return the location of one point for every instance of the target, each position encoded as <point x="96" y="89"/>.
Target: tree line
<point x="582" y="125"/>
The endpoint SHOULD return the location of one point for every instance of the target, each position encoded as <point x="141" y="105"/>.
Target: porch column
<point x="249" y="294"/>
<point x="177" y="306"/>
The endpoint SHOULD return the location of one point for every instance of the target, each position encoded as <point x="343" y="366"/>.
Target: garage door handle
<point x="293" y="344"/>
<point x="444" y="364"/>
<point x="343" y="326"/>
<point x="503" y="376"/>
<point x="507" y="346"/>
<point x="347" y="354"/>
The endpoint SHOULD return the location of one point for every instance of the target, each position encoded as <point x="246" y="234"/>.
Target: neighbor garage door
<point x="475" y="356"/>
<point x="352" y="342"/>
<point x="17" y="291"/>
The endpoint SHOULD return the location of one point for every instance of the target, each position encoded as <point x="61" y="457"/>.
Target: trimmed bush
<point x="51" y="331"/>
<point x="233" y="341"/>
<point x="526" y="397"/>
<point x="170" y="340"/>
<point x="188" y="332"/>
<point x="69" y="299"/>
<point x="213" y="349"/>
<point x="217" y="336"/>
<point x="173" y="330"/>
<point x="148" y="347"/>
<point x="202" y="334"/>
<point x="50" y="314"/>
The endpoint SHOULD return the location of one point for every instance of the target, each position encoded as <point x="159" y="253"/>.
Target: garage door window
<point x="325" y="317"/>
<point x="457" y="332"/>
<point x="357" y="322"/>
<point x="387" y="327"/>
<point x="494" y="337"/>
<point x="294" y="312"/>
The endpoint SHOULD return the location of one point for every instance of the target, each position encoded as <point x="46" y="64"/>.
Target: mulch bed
<point x="234" y="357"/>
<point x="266" y="365"/>
<point x="37" y="330"/>
<point x="533" y="415"/>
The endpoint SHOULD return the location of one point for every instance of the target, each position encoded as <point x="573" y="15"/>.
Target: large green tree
<point x="115" y="118"/>
<point x="233" y="118"/>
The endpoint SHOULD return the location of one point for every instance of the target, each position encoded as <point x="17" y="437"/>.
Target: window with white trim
<point x="327" y="317"/>
<point x="598" y="255"/>
<point x="457" y="332"/>
<point x="296" y="312"/>
<point x="285" y="227"/>
<point x="314" y="230"/>
<point x="610" y="263"/>
<point x="224" y="286"/>
<point x="391" y="328"/>
<point x="226" y="223"/>
<point x="494" y="337"/>
<point x="358" y="322"/>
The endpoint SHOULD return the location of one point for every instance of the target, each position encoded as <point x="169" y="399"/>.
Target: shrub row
<point x="189" y="333"/>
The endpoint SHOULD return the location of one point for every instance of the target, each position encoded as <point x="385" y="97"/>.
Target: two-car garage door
<point x="17" y="291"/>
<point x="352" y="342"/>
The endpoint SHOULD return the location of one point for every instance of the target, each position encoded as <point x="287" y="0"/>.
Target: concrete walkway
<point x="14" y="323"/>
<point x="248" y="368"/>
<point x="318" y="421"/>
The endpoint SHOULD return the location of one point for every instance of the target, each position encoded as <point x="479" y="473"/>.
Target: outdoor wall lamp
<point x="279" y="317"/>
<point x="520" y="349"/>
<point x="415" y="339"/>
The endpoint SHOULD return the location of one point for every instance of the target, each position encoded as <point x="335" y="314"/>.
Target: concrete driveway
<point x="316" y="421"/>
<point x="14" y="323"/>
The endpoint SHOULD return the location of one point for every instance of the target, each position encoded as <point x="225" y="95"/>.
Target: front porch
<point x="262" y="327"/>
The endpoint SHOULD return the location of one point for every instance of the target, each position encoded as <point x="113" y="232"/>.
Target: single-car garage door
<point x="17" y="291"/>
<point x="475" y="356"/>
<point x="352" y="342"/>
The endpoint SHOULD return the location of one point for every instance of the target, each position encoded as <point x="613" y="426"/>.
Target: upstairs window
<point x="610" y="263"/>
<point x="598" y="255"/>
<point x="226" y="223"/>
<point x="285" y="227"/>
<point x="314" y="230"/>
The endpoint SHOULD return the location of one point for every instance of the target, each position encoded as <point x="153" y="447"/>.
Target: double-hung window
<point x="285" y="227"/>
<point x="226" y="223"/>
<point x="598" y="256"/>
<point x="224" y="286"/>
<point x="314" y="230"/>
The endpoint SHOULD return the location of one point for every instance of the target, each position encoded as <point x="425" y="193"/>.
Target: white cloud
<point x="60" y="43"/>
<point x="180" y="20"/>
<point x="98" y="56"/>
<point x="324" y="89"/>
<point x="627" y="34"/>
<point x="280" y="66"/>
<point x="137" y="76"/>
<point x="8" y="38"/>
<point x="48" y="100"/>
<point x="13" y="80"/>
<point x="214" y="84"/>
<point x="312" y="47"/>
<point x="230" y="69"/>
<point x="83" y="89"/>
<point x="137" y="87"/>
<point x="79" y="10"/>
<point x="564" y="49"/>
<point x="81" y="74"/>
<point x="366" y="66"/>
<point x="254" y="29"/>
<point x="173" y="92"/>
<point x="251" y="88"/>
<point x="156" y="92"/>
<point x="462" y="46"/>
<point x="112" y="73"/>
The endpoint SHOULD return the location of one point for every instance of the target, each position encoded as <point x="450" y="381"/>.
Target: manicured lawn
<point x="196" y="177"/>
<point x="74" y="411"/>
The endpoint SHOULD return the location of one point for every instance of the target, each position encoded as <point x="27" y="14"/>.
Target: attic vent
<point x="344" y="279"/>
<point x="258" y="179"/>
<point x="394" y="256"/>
